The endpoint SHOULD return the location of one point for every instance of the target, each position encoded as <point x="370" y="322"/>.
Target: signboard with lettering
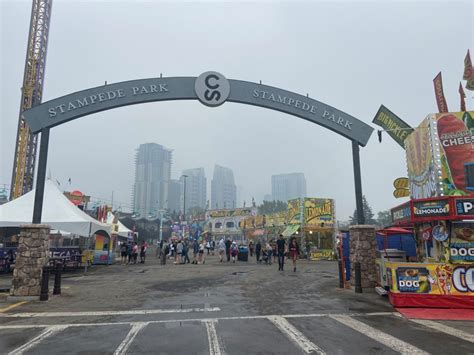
<point x="464" y="206"/>
<point x="461" y="243"/>
<point x="318" y="212"/>
<point x="210" y="88"/>
<point x="433" y="279"/>
<point x="396" y="128"/>
<point x="431" y="208"/>
<point x="401" y="214"/>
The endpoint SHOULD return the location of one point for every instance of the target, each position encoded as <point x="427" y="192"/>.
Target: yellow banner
<point x="294" y="212"/>
<point x="318" y="212"/>
<point x="436" y="279"/>
<point x="322" y="254"/>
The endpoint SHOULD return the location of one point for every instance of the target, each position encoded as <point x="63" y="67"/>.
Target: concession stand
<point x="440" y="157"/>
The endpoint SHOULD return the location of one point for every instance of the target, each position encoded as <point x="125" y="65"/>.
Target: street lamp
<point x="161" y="225"/>
<point x="184" y="197"/>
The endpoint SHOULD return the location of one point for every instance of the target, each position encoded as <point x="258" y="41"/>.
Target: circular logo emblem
<point x="212" y="88"/>
<point x="440" y="233"/>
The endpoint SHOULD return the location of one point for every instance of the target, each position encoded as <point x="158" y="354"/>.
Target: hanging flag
<point x="467" y="66"/>
<point x="396" y="128"/>
<point x="468" y="72"/>
<point x="69" y="181"/>
<point x="440" y="99"/>
<point x="463" y="96"/>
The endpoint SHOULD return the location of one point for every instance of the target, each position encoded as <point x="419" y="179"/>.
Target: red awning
<point x="394" y="230"/>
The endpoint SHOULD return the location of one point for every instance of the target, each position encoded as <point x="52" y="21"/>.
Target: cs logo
<point x="212" y="88"/>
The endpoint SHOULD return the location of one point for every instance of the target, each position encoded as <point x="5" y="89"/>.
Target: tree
<point x="384" y="218"/>
<point x="368" y="214"/>
<point x="268" y="207"/>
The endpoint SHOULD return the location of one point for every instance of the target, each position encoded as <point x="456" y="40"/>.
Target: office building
<point x="223" y="189"/>
<point x="288" y="186"/>
<point x="152" y="176"/>
<point x="196" y="188"/>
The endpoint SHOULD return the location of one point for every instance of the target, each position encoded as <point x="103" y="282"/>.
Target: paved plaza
<point x="215" y="308"/>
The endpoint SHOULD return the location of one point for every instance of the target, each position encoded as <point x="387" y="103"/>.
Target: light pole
<point x="161" y="225"/>
<point x="184" y="198"/>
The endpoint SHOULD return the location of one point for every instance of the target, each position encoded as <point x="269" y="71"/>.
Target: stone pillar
<point x="32" y="255"/>
<point x="363" y="250"/>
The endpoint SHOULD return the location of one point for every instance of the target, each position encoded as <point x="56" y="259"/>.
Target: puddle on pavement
<point x="240" y="273"/>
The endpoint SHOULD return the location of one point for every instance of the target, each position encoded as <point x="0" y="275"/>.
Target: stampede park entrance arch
<point x="211" y="89"/>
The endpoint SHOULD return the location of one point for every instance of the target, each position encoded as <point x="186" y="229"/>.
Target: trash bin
<point x="243" y="254"/>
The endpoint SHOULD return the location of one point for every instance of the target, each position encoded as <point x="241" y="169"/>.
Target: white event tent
<point x="58" y="212"/>
<point x="121" y="229"/>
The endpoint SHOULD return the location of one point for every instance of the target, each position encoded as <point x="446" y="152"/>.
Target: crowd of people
<point x="178" y="251"/>
<point x="129" y="252"/>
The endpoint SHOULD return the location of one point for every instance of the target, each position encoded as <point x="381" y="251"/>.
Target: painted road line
<point x="445" y="329"/>
<point x="38" y="339"/>
<point x="215" y="347"/>
<point x="349" y="314"/>
<point x="2" y="310"/>
<point x="125" y="344"/>
<point x="29" y="326"/>
<point x="383" y="338"/>
<point x="295" y="335"/>
<point x="109" y="313"/>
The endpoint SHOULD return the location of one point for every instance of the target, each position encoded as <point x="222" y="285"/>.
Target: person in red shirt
<point x="294" y="251"/>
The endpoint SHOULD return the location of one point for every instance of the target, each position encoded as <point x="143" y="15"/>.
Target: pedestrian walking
<point x="143" y="248"/>
<point x="135" y="252"/>
<point x="164" y="252"/>
<point x="129" y="252"/>
<point x="294" y="251"/>
<point x="213" y="247"/>
<point x="234" y="251"/>
<point x="123" y="253"/>
<point x="228" y="243"/>
<point x="281" y="252"/>
<point x="258" y="250"/>
<point x="251" y="248"/>
<point x="195" y="251"/>
<point x="179" y="252"/>
<point x="185" y="252"/>
<point x="208" y="247"/>
<point x="202" y="246"/>
<point x="269" y="250"/>
<point x="221" y="248"/>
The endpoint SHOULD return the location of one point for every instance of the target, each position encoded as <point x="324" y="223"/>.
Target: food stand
<point x="440" y="157"/>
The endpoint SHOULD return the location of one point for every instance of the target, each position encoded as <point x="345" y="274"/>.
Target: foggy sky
<point x="352" y="56"/>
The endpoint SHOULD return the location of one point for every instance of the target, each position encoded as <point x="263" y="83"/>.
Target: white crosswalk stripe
<point x="216" y="345"/>
<point x="215" y="348"/>
<point x="38" y="339"/>
<point x="295" y="335"/>
<point x="125" y="344"/>
<point x="445" y="329"/>
<point x="383" y="338"/>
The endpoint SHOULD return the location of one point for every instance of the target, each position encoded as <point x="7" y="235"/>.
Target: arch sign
<point x="210" y="88"/>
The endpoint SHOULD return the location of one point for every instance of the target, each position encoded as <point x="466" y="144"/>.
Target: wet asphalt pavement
<point x="215" y="308"/>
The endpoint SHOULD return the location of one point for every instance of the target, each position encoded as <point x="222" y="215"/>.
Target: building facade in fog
<point x="223" y="189"/>
<point x="196" y="188"/>
<point x="175" y="191"/>
<point x="152" y="176"/>
<point x="288" y="186"/>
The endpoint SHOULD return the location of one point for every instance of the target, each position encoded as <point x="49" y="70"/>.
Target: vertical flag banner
<point x="463" y="96"/>
<point x="468" y="72"/>
<point x="440" y="99"/>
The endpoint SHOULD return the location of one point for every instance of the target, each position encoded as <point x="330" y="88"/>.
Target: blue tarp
<point x="404" y="242"/>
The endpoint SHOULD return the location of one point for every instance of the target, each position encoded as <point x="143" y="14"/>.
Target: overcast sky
<point x="354" y="56"/>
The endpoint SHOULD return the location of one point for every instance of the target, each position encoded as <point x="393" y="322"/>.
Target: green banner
<point x="398" y="129"/>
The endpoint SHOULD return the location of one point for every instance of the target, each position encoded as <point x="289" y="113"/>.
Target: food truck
<point x="440" y="160"/>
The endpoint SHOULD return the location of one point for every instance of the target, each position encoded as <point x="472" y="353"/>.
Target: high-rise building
<point x="223" y="189"/>
<point x="288" y="186"/>
<point x="152" y="176"/>
<point x="196" y="188"/>
<point x="175" y="191"/>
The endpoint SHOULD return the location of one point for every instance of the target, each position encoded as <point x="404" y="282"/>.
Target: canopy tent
<point x="58" y="212"/>
<point x="290" y="230"/>
<point x="121" y="230"/>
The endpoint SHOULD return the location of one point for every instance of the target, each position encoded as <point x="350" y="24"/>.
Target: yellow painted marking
<point x="14" y="305"/>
